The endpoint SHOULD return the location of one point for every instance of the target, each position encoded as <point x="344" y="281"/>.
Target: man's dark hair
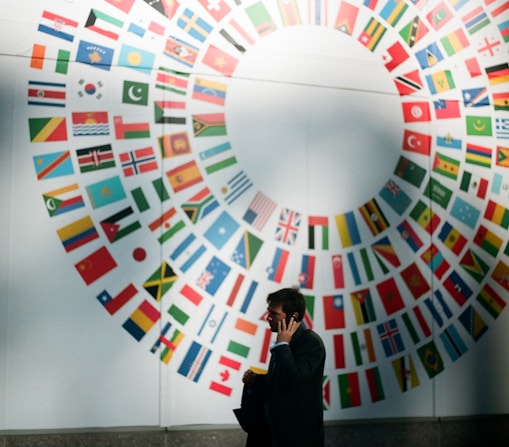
<point x="291" y="299"/>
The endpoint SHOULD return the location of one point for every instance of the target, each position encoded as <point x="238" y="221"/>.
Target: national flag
<point x="90" y="124"/>
<point x="475" y="97"/>
<point x="313" y="223"/>
<point x="346" y="18"/>
<point x="438" y="193"/>
<point x="498" y="74"/>
<point x="105" y="192"/>
<point x="472" y="66"/>
<point x="248" y="247"/>
<point x="414" y="31"/>
<point x="288" y="225"/>
<point x="136" y="58"/>
<point x="213" y="276"/>
<point x="39" y="58"/>
<point x="160" y="281"/>
<point x="465" y="212"/>
<point x="410" y="327"/>
<point x="261" y="19"/>
<point x="384" y="249"/>
<point x="57" y="26"/>
<point x="488" y="241"/>
<point x="423" y="323"/>
<point x="457" y="288"/>
<point x="339" y="351"/>
<point x="353" y="267"/>
<point x="390" y="296"/>
<point x="95" y="265"/>
<point x="502" y="156"/>
<point x="62" y="200"/>
<point x="209" y="91"/>
<point x="95" y="158"/>
<point x="167" y="344"/>
<point x="416" y="142"/>
<point x="174" y="144"/>
<point x="50" y="94"/>
<point x="209" y="124"/>
<point x="452" y="238"/>
<point x="504" y="30"/>
<point x="289" y="12"/>
<point x="439" y="313"/>
<point x="200" y="205"/>
<point x="502" y="127"/>
<point x="447" y="108"/>
<point x="415" y="280"/>
<point x="492" y="302"/>
<point x="440" y="81"/>
<point x="408" y="83"/>
<point x="220" y="61"/>
<point x="52" y="165"/>
<point x="370" y="4"/>
<point x="390" y="337"/>
<point x="218" y="151"/>
<point x="392" y="11"/>
<point x="501" y="101"/>
<point x="144" y="27"/>
<point x="349" y="390"/>
<point x="47" y="129"/>
<point x="89" y="89"/>
<point x="416" y="111"/>
<point x="425" y="217"/>
<point x="478" y="155"/>
<point x="306" y="275"/>
<point x="195" y="361"/>
<point x="135" y="93"/>
<point x="77" y="233"/>
<point x="363" y="308"/>
<point x="259" y="211"/>
<point x="236" y="187"/>
<point x="221" y="230"/>
<point x="276" y="270"/>
<point x="212" y="323"/>
<point x="497" y="214"/>
<point x="455" y="42"/>
<point x="479" y="125"/>
<point x="439" y="16"/>
<point x="446" y="166"/>
<point x="194" y="25"/>
<point x="238" y="348"/>
<point x="217" y="9"/>
<point x="164" y="226"/>
<point x="453" y="343"/>
<point x="372" y="34"/>
<point x="347" y="229"/>
<point x="114" y="303"/>
<point x="191" y="256"/>
<point x="448" y="141"/>
<point x="458" y="4"/>
<point x="394" y="56"/>
<point x="395" y="197"/>
<point x="95" y="55"/>
<point x="374" y="217"/>
<point x="123" y="5"/>
<point x="431" y="359"/>
<point x="429" y="56"/>
<point x="409" y="236"/>
<point x="140" y="197"/>
<point x="334" y="312"/>
<point x="475" y="20"/>
<point x="474" y="265"/>
<point x="501" y="275"/>
<point x="104" y="24"/>
<point x="473" y="323"/>
<point x="181" y="51"/>
<point x="138" y="161"/>
<point x="363" y="347"/>
<point x="172" y="80"/>
<point x="434" y="259"/>
<point x="120" y="224"/>
<point x="236" y="35"/>
<point x="127" y="131"/>
<point x="405" y="372"/>
<point x="141" y="320"/>
<point x="226" y="364"/>
<point x="184" y="176"/>
<point x="337" y="271"/>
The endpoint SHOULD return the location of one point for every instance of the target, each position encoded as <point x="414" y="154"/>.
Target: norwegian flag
<point x="288" y="226"/>
<point x="138" y="161"/>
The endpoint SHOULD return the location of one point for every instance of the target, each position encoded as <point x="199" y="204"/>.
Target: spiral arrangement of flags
<point x="130" y="146"/>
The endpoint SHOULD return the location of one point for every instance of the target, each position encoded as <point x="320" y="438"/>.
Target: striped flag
<point x="41" y="57"/>
<point x="62" y="200"/>
<point x="141" y="320"/>
<point x="195" y="361"/>
<point x="57" y="26"/>
<point x="51" y="94"/>
<point x="114" y="303"/>
<point x="95" y="158"/>
<point x="77" y="233"/>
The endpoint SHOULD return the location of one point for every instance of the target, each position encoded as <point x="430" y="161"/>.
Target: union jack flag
<point x="288" y="226"/>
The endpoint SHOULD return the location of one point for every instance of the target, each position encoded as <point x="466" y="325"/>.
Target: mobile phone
<point x="289" y="318"/>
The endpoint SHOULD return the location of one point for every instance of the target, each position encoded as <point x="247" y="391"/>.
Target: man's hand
<point x="249" y="377"/>
<point x="285" y="331"/>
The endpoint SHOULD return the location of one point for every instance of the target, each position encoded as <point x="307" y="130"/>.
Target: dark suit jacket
<point x="293" y="392"/>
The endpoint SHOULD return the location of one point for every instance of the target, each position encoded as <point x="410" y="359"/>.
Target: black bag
<point x="251" y="412"/>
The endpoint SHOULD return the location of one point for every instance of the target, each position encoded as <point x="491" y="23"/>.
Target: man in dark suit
<point x="290" y="394"/>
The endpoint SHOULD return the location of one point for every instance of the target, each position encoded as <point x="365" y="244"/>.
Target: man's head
<point x="283" y="304"/>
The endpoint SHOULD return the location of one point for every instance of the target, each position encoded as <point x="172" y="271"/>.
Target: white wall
<point x="317" y="124"/>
